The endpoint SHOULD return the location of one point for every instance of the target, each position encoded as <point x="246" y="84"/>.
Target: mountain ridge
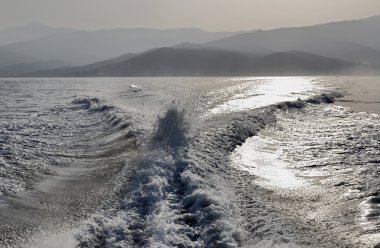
<point x="354" y="41"/>
<point x="29" y="32"/>
<point x="200" y="62"/>
<point x="360" y="39"/>
<point x="85" y="47"/>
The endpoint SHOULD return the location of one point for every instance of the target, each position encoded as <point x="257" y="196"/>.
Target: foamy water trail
<point x="265" y="92"/>
<point x="324" y="158"/>
<point x="168" y="204"/>
<point x="273" y="174"/>
<point x="188" y="195"/>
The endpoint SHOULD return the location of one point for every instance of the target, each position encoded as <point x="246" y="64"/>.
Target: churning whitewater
<point x="189" y="162"/>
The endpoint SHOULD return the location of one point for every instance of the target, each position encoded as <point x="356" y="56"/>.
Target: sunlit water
<point x="254" y="93"/>
<point x="82" y="156"/>
<point x="319" y="146"/>
<point x="260" y="156"/>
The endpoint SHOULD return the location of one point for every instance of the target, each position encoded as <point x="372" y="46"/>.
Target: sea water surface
<point x="190" y="162"/>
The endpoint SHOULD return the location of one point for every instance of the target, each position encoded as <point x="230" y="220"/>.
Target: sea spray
<point x="166" y="205"/>
<point x="178" y="197"/>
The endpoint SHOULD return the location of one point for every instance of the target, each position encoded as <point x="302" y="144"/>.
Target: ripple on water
<point x="327" y="146"/>
<point x="261" y="92"/>
<point x="260" y="156"/>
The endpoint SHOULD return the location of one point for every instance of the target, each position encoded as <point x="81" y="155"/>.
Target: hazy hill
<point x="16" y="60"/>
<point x="301" y="63"/>
<point x="180" y="62"/>
<point x="204" y="53"/>
<point x="355" y="41"/>
<point x="9" y="58"/>
<point x="73" y="70"/>
<point x="81" y="47"/>
<point x="203" y="62"/>
<point x="29" y="32"/>
<point x="22" y="68"/>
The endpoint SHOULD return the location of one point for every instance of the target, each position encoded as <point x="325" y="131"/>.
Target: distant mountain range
<point x="29" y="32"/>
<point x="10" y="58"/>
<point x="84" y="47"/>
<point x="210" y="62"/>
<point x="354" y="41"/>
<point x="345" y="47"/>
<point x="23" y="68"/>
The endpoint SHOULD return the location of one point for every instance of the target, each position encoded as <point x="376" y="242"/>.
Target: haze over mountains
<point x="29" y="32"/>
<point x="84" y="47"/>
<point x="356" y="41"/>
<point x="209" y="62"/>
<point x="335" y="48"/>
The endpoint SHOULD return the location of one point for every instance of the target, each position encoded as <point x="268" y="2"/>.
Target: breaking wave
<point x="178" y="190"/>
<point x="180" y="194"/>
<point x="29" y="144"/>
<point x="167" y="204"/>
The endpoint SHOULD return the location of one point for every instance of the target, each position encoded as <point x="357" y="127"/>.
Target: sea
<point x="259" y="162"/>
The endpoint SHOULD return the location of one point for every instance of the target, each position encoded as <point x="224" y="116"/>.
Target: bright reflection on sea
<point x="259" y="92"/>
<point x="259" y="157"/>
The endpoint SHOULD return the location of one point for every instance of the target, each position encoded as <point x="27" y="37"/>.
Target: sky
<point x="211" y="15"/>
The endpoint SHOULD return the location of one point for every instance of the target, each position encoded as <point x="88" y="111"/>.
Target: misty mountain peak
<point x="36" y="26"/>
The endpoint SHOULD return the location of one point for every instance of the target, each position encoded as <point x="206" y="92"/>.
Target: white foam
<point x="259" y="156"/>
<point x="260" y="92"/>
<point x="64" y="239"/>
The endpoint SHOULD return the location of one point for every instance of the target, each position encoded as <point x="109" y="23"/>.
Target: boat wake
<point x="175" y="186"/>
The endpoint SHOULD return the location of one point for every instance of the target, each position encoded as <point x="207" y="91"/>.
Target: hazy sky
<point x="213" y="15"/>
